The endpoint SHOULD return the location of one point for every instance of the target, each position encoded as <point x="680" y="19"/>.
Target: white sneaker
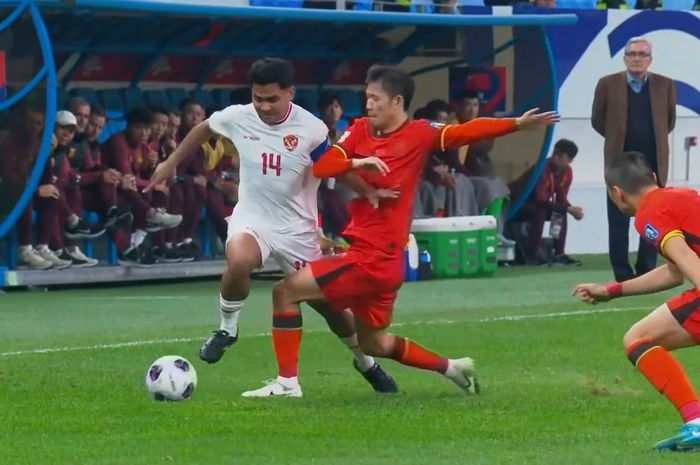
<point x="78" y="258"/>
<point x="273" y="387"/>
<point x="51" y="257"/>
<point x="160" y="219"/>
<point x="33" y="260"/>
<point x="462" y="373"/>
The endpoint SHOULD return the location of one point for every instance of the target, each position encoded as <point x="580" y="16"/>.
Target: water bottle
<point x="425" y="266"/>
<point x="411" y="259"/>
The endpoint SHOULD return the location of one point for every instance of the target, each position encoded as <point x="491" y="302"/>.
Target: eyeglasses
<point x="637" y="54"/>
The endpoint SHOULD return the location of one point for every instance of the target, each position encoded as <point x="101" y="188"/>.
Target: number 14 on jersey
<point x="271" y="162"/>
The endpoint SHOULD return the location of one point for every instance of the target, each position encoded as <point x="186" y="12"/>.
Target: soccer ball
<point x="171" y="378"/>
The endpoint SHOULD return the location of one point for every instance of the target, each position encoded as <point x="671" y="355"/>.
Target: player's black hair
<point x="630" y="172"/>
<point x="190" y="101"/>
<point x="327" y="98"/>
<point x="271" y="71"/>
<point x="174" y="112"/>
<point x="566" y="146"/>
<point x="434" y="107"/>
<point x="97" y="111"/>
<point x="421" y="113"/>
<point x="158" y="110"/>
<point x="468" y="94"/>
<point x="139" y="115"/>
<point x="393" y="81"/>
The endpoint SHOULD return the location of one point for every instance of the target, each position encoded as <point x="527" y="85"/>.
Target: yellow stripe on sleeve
<point x="670" y="234"/>
<point x="342" y="150"/>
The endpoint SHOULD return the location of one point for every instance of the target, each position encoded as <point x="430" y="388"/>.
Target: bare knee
<point x="373" y="345"/>
<point x="636" y="333"/>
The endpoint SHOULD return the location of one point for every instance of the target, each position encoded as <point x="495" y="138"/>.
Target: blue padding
<point x="133" y="97"/>
<point x="278" y="3"/>
<point x="678" y="4"/>
<point x="204" y="97"/>
<point x="111" y="99"/>
<point x="422" y="6"/>
<point x="177" y="95"/>
<point x="157" y="97"/>
<point x="582" y="4"/>
<point x="363" y="5"/>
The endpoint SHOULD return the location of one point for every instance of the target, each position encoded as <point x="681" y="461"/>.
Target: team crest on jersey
<point x="650" y="232"/>
<point x="437" y="125"/>
<point x="290" y="141"/>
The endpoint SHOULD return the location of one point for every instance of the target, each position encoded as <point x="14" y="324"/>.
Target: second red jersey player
<point x="390" y="151"/>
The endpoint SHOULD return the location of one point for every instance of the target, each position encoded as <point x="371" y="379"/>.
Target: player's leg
<point x="342" y="323"/>
<point x="371" y="320"/>
<point x="244" y="253"/>
<point x="648" y="344"/>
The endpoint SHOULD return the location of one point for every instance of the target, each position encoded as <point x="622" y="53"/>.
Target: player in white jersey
<point x="276" y="216"/>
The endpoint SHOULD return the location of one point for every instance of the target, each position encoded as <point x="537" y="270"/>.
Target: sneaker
<point x="463" y="374"/>
<point x="77" y="257"/>
<point x="189" y="251"/>
<point x="273" y="387"/>
<point x="134" y="256"/>
<point x="166" y="254"/>
<point x="687" y="439"/>
<point x="565" y="260"/>
<point x="56" y="263"/>
<point x="213" y="348"/>
<point x="32" y="259"/>
<point x="116" y="220"/>
<point x="380" y="380"/>
<point x="160" y="219"/>
<point x="83" y="230"/>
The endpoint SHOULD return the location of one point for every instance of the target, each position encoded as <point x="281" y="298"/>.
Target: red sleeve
<point x="456" y="135"/>
<point x="89" y="174"/>
<point x="351" y="138"/>
<point x="657" y="224"/>
<point x="332" y="162"/>
<point x="544" y="188"/>
<point x="563" y="190"/>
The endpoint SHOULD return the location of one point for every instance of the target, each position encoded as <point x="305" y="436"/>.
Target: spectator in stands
<point x="69" y="203"/>
<point x="444" y="190"/>
<point x="127" y="151"/>
<point x="93" y="186"/>
<point x="333" y="196"/>
<point x="549" y="201"/>
<point x="634" y="110"/>
<point x="81" y="109"/>
<point x="331" y="111"/>
<point x="190" y="174"/>
<point x="161" y="146"/>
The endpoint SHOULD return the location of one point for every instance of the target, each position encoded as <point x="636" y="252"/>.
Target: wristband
<point x="614" y="289"/>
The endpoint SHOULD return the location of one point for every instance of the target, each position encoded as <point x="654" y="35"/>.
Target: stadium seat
<point x="84" y="92"/>
<point x="177" y="95"/>
<point x="157" y="97"/>
<point x="422" y="6"/>
<point x="678" y="4"/>
<point x="204" y="97"/>
<point x="461" y="3"/>
<point x="221" y="98"/>
<point x="363" y="5"/>
<point x="111" y="99"/>
<point x="307" y="98"/>
<point x="133" y="97"/>
<point x="579" y="4"/>
<point x="278" y="3"/>
<point x="115" y="123"/>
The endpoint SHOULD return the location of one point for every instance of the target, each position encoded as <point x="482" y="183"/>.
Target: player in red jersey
<point x="667" y="217"/>
<point x="367" y="276"/>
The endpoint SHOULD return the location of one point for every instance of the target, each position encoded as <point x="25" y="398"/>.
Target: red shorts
<point x="347" y="284"/>
<point x="685" y="307"/>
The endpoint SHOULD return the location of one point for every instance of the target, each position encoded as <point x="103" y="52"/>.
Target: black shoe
<point x="213" y="348"/>
<point x="566" y="260"/>
<point x="189" y="251"/>
<point x="83" y="230"/>
<point x="116" y="220"/>
<point x="134" y="256"/>
<point x="166" y="254"/>
<point x="380" y="380"/>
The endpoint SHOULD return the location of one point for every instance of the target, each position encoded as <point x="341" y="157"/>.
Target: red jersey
<point x="405" y="151"/>
<point x="667" y="212"/>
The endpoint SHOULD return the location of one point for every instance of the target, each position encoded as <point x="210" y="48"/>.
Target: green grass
<point x="556" y="389"/>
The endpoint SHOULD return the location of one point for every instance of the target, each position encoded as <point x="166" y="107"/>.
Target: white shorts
<point x="292" y="252"/>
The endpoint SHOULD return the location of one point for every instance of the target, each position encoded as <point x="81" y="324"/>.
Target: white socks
<point x="137" y="237"/>
<point x="364" y="362"/>
<point x="229" y="310"/>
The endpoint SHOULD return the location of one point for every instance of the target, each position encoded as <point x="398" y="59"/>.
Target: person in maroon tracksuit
<point x="191" y="177"/>
<point x="549" y="201"/>
<point x="127" y="152"/>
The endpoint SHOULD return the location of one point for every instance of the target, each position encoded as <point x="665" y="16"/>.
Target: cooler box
<point x="459" y="246"/>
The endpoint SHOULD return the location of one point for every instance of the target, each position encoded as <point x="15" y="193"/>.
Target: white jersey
<point x="277" y="190"/>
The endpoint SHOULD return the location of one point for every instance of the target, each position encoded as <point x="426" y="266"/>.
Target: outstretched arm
<point x="333" y="162"/>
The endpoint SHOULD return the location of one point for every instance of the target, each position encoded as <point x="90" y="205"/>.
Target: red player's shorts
<point x="685" y="307"/>
<point x="367" y="288"/>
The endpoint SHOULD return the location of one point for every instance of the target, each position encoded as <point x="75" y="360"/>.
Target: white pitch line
<point x="146" y="342"/>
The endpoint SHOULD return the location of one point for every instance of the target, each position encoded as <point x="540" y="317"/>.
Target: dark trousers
<point x="618" y="246"/>
<point x="536" y="215"/>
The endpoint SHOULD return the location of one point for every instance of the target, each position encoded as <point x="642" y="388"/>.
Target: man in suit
<point x="634" y="110"/>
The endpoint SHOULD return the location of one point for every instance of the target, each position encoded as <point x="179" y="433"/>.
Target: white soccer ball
<point x="171" y="378"/>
